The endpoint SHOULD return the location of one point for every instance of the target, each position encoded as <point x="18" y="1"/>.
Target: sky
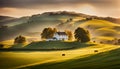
<point x="19" y="8"/>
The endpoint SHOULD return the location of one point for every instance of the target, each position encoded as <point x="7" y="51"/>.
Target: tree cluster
<point x="82" y="35"/>
<point x="48" y="33"/>
<point x="20" y="39"/>
<point x="69" y="20"/>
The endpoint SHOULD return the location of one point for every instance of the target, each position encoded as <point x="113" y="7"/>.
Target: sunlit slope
<point x="72" y="58"/>
<point x="107" y="58"/>
<point x="98" y="24"/>
<point x="95" y="26"/>
<point x="24" y="59"/>
<point x="102" y="28"/>
<point x="7" y="43"/>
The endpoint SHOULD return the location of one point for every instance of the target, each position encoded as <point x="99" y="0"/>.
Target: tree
<point x="20" y="39"/>
<point x="89" y="18"/>
<point x="48" y="33"/>
<point x="70" y="19"/>
<point x="54" y="30"/>
<point x="118" y="41"/>
<point x="82" y="35"/>
<point x="1" y="45"/>
<point x="70" y="35"/>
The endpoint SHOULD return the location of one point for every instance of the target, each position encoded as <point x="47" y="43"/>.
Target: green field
<point x="106" y="60"/>
<point x="56" y="45"/>
<point x="81" y="57"/>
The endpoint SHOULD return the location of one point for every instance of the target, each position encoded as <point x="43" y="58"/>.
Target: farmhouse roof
<point x="61" y="33"/>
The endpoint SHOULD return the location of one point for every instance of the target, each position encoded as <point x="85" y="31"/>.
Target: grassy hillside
<point x="4" y="19"/>
<point x="35" y="23"/>
<point x="100" y="25"/>
<point x="103" y="60"/>
<point x="60" y="20"/>
<point x="10" y="21"/>
<point x="102" y="28"/>
<point x="21" y="59"/>
<point x="51" y="45"/>
<point x="7" y="43"/>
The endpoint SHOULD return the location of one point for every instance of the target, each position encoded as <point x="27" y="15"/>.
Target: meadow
<point x="74" y="58"/>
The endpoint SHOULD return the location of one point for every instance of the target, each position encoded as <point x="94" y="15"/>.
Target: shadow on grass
<point x="106" y="60"/>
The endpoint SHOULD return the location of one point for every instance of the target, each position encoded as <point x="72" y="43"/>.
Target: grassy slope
<point x="7" y="43"/>
<point x="34" y="24"/>
<point x="56" y="45"/>
<point x="104" y="60"/>
<point x="102" y="28"/>
<point x="98" y="28"/>
<point x="99" y="23"/>
<point x="37" y="23"/>
<point x="23" y="59"/>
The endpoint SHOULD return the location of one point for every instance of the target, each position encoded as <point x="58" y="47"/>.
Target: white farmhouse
<point x="59" y="36"/>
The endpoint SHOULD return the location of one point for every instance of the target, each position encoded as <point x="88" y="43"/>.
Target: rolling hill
<point x="4" y="19"/>
<point x="62" y="20"/>
<point x="102" y="28"/>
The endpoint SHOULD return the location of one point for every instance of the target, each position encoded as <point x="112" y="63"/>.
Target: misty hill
<point x="111" y="19"/>
<point x="7" y="19"/>
<point x="62" y="20"/>
<point x="4" y="19"/>
<point x="10" y="21"/>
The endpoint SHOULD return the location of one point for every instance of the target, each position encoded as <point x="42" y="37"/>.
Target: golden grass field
<point x="20" y="59"/>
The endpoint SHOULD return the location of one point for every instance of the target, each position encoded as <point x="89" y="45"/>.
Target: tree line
<point x="80" y="34"/>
